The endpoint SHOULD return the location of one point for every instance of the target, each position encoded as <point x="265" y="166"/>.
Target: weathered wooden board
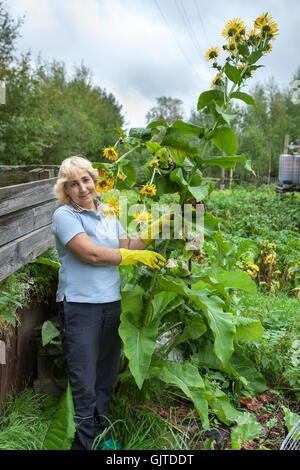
<point x="18" y="197"/>
<point x="20" y="223"/>
<point x="17" y="174"/>
<point x="19" y="252"/>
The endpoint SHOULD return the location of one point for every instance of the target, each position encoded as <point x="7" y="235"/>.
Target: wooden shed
<point x="27" y="203"/>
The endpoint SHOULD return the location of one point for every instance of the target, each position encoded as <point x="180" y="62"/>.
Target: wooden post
<point x="230" y="177"/>
<point x="286" y="144"/>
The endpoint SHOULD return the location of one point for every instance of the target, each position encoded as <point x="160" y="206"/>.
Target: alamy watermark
<point x="296" y="92"/>
<point x="184" y="222"/>
<point x="2" y="93"/>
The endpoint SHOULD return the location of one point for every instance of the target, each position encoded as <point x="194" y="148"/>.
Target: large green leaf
<point x="188" y="129"/>
<point x="246" y="98"/>
<point x="227" y="117"/>
<point x="211" y="224"/>
<point x="170" y="284"/>
<point x="225" y="139"/>
<point x="142" y="133"/>
<point x="62" y="427"/>
<point x="239" y="367"/>
<point x="220" y="322"/>
<point x="139" y="344"/>
<point x="244" y="367"/>
<point x="178" y="155"/>
<point x="208" y="96"/>
<point x="232" y="73"/>
<point x="233" y="279"/>
<point x="193" y="330"/>
<point x="219" y="402"/>
<point x="201" y="192"/>
<point x="187" y="378"/>
<point x="162" y="302"/>
<point x="132" y="301"/>
<point x="177" y="176"/>
<point x="223" y="161"/>
<point x="174" y="138"/>
<point x="49" y="332"/>
<point x="246" y="430"/>
<point x="128" y="169"/>
<point x="248" y="328"/>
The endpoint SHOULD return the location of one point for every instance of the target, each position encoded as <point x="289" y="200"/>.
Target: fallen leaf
<point x="250" y="445"/>
<point x="264" y="416"/>
<point x="252" y="403"/>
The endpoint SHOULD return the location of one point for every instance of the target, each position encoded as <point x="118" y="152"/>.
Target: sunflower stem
<point x="127" y="153"/>
<point x="147" y="316"/>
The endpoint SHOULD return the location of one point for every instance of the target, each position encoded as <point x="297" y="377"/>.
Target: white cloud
<point x="138" y="56"/>
<point x="39" y="16"/>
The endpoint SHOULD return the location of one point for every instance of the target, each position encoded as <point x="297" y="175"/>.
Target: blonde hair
<point x="69" y="169"/>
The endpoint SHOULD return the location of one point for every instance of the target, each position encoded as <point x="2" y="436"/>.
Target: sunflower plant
<point x="190" y="300"/>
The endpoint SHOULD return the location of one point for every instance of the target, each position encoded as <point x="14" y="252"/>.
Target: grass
<point x="25" y="421"/>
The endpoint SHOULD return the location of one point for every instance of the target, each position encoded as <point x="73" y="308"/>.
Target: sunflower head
<point x="110" y="153"/>
<point x="112" y="207"/>
<point x="105" y="185"/>
<point x="155" y="163"/>
<point x="212" y="53"/>
<point x="149" y="190"/>
<point x="216" y="81"/>
<point x="233" y="27"/>
<point x="266" y="26"/>
<point x="143" y="217"/>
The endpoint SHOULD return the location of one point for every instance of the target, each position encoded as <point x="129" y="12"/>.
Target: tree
<point x="167" y="108"/>
<point x="48" y="117"/>
<point x="9" y="31"/>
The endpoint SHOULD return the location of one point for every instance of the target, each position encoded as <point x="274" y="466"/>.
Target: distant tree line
<point x="260" y="133"/>
<point x="48" y="116"/>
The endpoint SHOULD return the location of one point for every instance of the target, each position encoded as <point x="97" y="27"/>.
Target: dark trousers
<point x="92" y="346"/>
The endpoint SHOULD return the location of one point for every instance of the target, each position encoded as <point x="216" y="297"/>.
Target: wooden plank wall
<point x="17" y="174"/>
<point x="25" y="223"/>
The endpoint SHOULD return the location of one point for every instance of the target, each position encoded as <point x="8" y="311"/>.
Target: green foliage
<point x="25" y="420"/>
<point x="247" y="429"/>
<point x="8" y="304"/>
<point x="62" y="428"/>
<point x="250" y="220"/>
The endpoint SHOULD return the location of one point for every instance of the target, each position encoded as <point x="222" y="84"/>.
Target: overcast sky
<point x="142" y="49"/>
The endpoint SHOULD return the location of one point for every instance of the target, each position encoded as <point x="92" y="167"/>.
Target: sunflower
<point x="105" y="185"/>
<point x="216" y="80"/>
<point x="155" y="163"/>
<point x="270" y="30"/>
<point x="102" y="173"/>
<point x="149" y="190"/>
<point x="262" y="19"/>
<point x="212" y="53"/>
<point x="110" y="153"/>
<point x="267" y="26"/>
<point x="269" y="47"/>
<point x="232" y="46"/>
<point x="121" y="176"/>
<point x="112" y="207"/>
<point x="143" y="217"/>
<point x="233" y="27"/>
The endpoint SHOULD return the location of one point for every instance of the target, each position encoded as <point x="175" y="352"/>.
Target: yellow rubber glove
<point x="146" y="257"/>
<point x="150" y="233"/>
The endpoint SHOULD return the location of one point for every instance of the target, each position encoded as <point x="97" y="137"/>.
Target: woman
<point x="90" y="247"/>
